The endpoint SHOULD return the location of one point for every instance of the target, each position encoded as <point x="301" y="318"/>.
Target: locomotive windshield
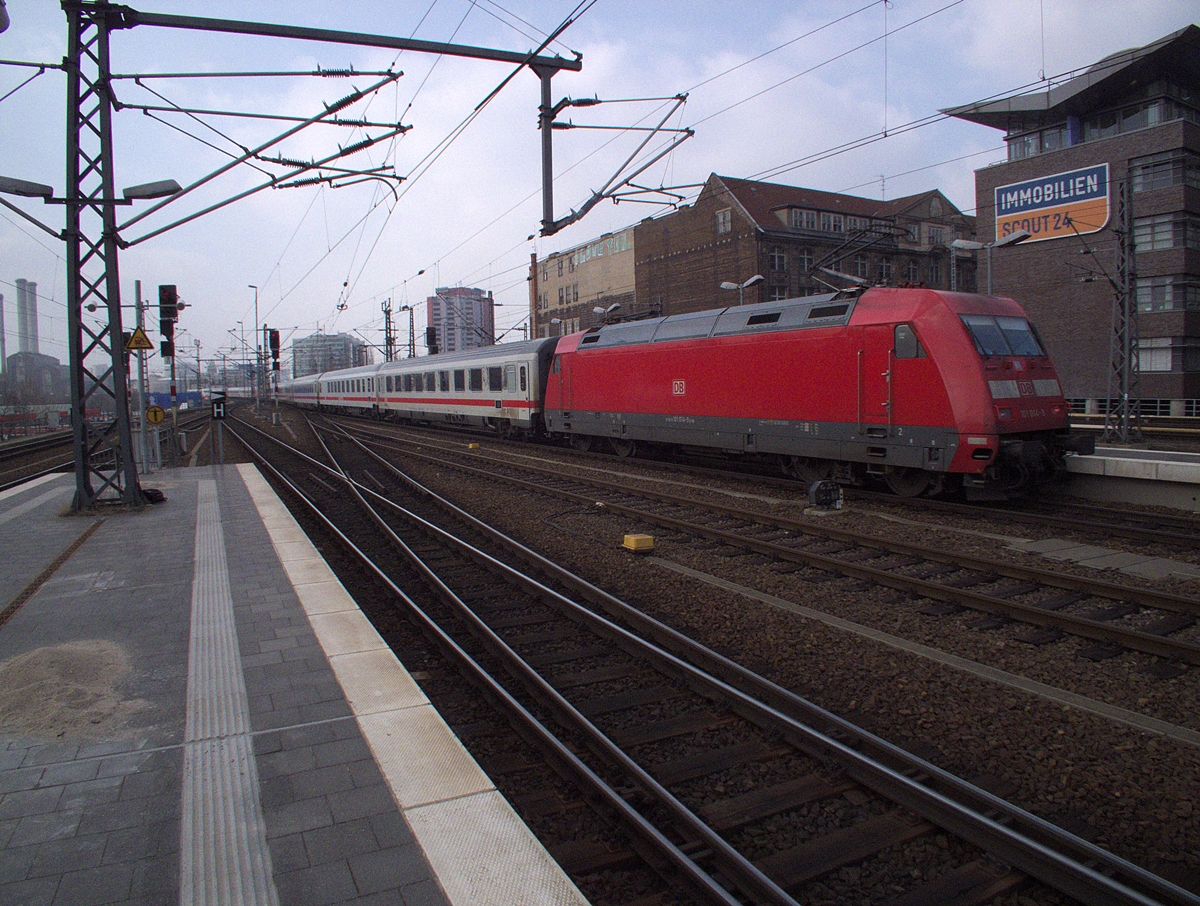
<point x="1002" y="335"/>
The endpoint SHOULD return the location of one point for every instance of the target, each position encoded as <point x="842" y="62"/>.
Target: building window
<point x="545" y="273"/>
<point x="777" y="258"/>
<point x="571" y="264"/>
<point x="803" y="220"/>
<point x="560" y="267"/>
<point x="885" y="270"/>
<point x="1170" y="168"/>
<point x="831" y="223"/>
<point x="725" y="220"/>
<point x="913" y="274"/>
<point x="935" y="273"/>
<point x="860" y="266"/>
<point x="806" y="260"/>
<point x="776" y="293"/>
<point x="1176" y="292"/>
<point x="1166" y="231"/>
<point x="574" y="292"/>
<point x="1154" y="354"/>
<point x="934" y="235"/>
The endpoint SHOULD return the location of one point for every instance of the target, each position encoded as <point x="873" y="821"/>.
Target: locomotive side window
<point x="444" y="381"/>
<point x="476" y="375"/>
<point x="907" y="344"/>
<point x="460" y="380"/>
<point x="556" y="365"/>
<point x="495" y="379"/>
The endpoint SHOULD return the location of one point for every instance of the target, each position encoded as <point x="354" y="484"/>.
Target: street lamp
<point x="740" y="287"/>
<point x="557" y="321"/>
<point x="968" y="245"/>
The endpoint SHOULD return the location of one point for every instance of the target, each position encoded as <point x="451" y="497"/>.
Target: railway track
<point x="1116" y="616"/>
<point x="718" y="776"/>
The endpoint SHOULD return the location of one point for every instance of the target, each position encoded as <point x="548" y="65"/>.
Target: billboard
<point x="1049" y="206"/>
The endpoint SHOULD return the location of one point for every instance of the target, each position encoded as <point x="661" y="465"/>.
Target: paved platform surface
<point x="192" y="709"/>
<point x="1129" y="475"/>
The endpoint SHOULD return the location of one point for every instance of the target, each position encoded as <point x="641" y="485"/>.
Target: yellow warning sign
<point x="138" y="341"/>
<point x="155" y="415"/>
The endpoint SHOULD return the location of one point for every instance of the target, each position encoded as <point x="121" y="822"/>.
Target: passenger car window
<point x="460" y="380"/>
<point x="495" y="379"/>
<point x="444" y="381"/>
<point x="476" y="378"/>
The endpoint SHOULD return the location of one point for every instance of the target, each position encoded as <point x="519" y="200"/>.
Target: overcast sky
<point x="768" y="84"/>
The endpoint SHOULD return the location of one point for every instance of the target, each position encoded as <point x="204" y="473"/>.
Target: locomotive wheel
<point x="582" y="442"/>
<point x="913" y="482"/>
<point x="807" y="469"/>
<point x="624" y="448"/>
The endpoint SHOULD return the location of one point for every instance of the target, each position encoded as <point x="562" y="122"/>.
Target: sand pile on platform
<point x="65" y="691"/>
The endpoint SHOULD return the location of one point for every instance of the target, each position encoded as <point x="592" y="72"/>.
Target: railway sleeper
<point x="792" y="867"/>
<point x="973" y="884"/>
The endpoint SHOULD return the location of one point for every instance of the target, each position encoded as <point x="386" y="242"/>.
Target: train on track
<point x="925" y="390"/>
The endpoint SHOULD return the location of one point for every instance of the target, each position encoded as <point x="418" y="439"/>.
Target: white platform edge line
<point x="441" y="828"/>
<point x="30" y="485"/>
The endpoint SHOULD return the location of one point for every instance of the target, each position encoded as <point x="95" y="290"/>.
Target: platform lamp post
<point x="741" y="287"/>
<point x="969" y="245"/>
<point x="557" y="322"/>
<point x="104" y="460"/>
<point x="257" y="354"/>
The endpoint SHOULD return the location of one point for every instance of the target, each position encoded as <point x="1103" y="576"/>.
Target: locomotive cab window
<point x="476" y="379"/>
<point x="1003" y="336"/>
<point x="907" y="344"/>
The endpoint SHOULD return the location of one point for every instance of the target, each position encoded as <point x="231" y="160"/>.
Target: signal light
<point x="168" y="302"/>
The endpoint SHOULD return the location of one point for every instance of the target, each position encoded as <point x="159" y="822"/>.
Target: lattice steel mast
<point x="104" y="463"/>
<point x="1123" y="424"/>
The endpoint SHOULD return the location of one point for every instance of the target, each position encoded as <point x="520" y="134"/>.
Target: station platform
<point x="193" y="709"/>
<point x="1144" y="477"/>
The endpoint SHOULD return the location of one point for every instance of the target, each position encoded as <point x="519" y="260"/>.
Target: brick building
<point x="1135" y="116"/>
<point x="739" y="228"/>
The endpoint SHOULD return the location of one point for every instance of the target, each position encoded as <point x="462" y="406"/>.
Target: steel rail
<point x="663" y="847"/>
<point x="1098" y="587"/>
<point x="1030" y="855"/>
<point x="1095" y="630"/>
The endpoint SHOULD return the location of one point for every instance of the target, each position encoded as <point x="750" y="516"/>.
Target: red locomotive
<point x="922" y="388"/>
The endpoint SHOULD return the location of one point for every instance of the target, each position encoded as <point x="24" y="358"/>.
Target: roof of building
<point x="760" y="200"/>
<point x="1102" y="85"/>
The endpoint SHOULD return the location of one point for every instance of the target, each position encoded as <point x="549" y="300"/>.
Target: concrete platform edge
<point x="480" y="849"/>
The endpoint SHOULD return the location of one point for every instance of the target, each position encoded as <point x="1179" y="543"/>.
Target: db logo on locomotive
<point x="677" y="388"/>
